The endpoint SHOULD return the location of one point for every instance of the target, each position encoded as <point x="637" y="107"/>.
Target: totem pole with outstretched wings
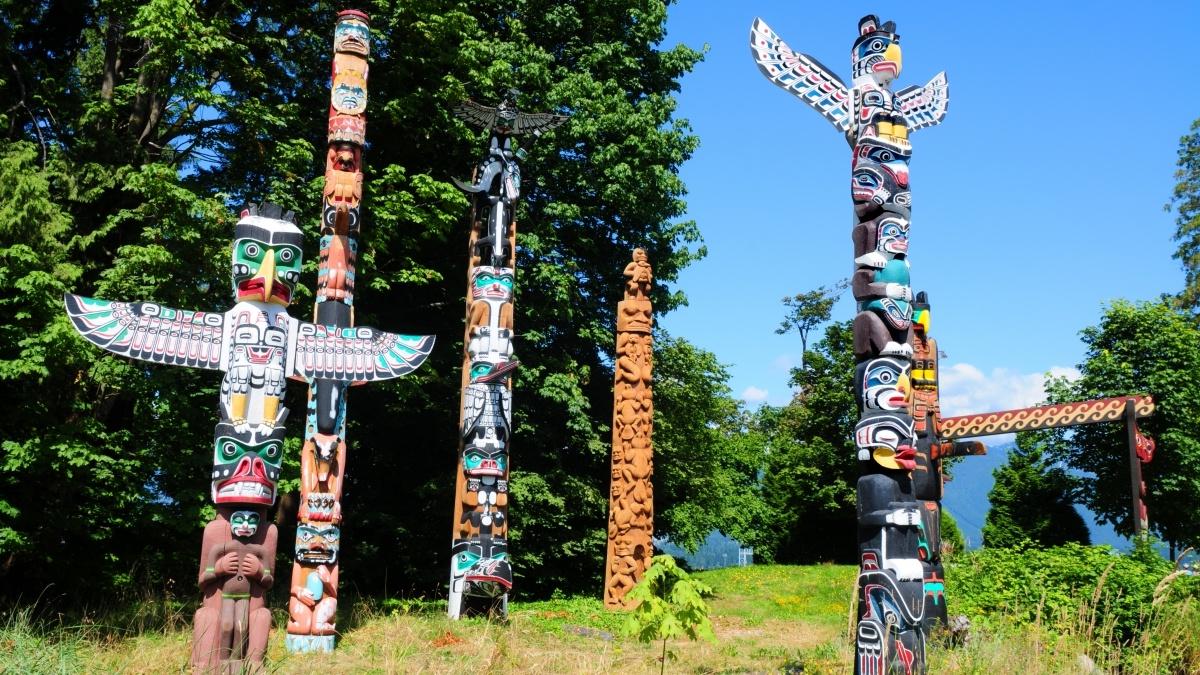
<point x="259" y="347"/>
<point x="895" y="567"/>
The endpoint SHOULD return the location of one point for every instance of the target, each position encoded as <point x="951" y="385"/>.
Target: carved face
<point x="256" y="344"/>
<point x="246" y="464"/>
<point x="884" y="384"/>
<point x="889" y="157"/>
<point x="887" y="439"/>
<point x="483" y="563"/>
<point x="267" y="256"/>
<point x="877" y="51"/>
<point x="479" y="461"/>
<point x="892" y="235"/>
<point x="243" y="524"/>
<point x="492" y="283"/>
<point x="317" y="543"/>
<point x="351" y="35"/>
<point x="349" y="95"/>
<point x="343" y="157"/>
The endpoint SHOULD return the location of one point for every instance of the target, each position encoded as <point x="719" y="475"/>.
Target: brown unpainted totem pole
<point x="631" y="500"/>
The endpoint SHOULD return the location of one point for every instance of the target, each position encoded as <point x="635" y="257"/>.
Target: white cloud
<point x="753" y="394"/>
<point x="964" y="389"/>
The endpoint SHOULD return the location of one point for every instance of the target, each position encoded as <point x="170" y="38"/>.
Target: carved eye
<point x="285" y="255"/>
<point x="229" y="450"/>
<point x="252" y="250"/>
<point x="877" y="45"/>
<point x="271" y="451"/>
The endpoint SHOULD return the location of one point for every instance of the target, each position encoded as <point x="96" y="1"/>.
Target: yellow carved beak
<point x="267" y="272"/>
<point x="892" y="54"/>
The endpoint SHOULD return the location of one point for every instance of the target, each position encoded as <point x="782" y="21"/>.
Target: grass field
<point x="767" y="618"/>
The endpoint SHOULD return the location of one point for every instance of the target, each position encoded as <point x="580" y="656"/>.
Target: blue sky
<point x="1036" y="202"/>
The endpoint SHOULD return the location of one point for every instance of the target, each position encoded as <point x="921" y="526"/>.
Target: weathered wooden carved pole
<point x="876" y="122"/>
<point x="631" y="496"/>
<point x="480" y="573"/>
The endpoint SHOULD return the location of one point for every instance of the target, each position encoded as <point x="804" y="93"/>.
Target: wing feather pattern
<point x="479" y="115"/>
<point x="536" y="123"/>
<point x="354" y="354"/>
<point x="925" y="106"/>
<point x="149" y="331"/>
<point x="800" y="75"/>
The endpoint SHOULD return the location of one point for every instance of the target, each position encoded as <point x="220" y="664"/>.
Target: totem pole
<point x="480" y="573"/>
<point x="258" y="346"/>
<point x="313" y="600"/>
<point x="876" y="122"/>
<point x="927" y="477"/>
<point x="631" y="499"/>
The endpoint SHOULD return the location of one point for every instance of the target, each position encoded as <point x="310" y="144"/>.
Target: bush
<point x="1121" y="604"/>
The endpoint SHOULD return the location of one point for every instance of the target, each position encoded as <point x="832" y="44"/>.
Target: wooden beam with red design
<point x="1044" y="417"/>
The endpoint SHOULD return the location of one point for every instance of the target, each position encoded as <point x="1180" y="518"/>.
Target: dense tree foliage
<point x="704" y="443"/>
<point x="1032" y="500"/>
<point x="1185" y="198"/>
<point x="1139" y="348"/>
<point x="132" y="129"/>
<point x="811" y="470"/>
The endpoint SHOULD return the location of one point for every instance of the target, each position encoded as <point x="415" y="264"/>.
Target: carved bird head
<point x="267" y="255"/>
<point x="876" y="52"/>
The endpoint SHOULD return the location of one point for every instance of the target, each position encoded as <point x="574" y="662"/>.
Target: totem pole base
<point x="303" y="644"/>
<point x="487" y="607"/>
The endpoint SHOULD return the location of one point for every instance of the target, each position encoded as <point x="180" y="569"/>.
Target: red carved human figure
<point x="233" y="623"/>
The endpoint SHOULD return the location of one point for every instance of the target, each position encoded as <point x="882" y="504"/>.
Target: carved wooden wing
<point x="353" y="354"/>
<point x="925" y="106"/>
<point x="801" y="75"/>
<point x="536" y="123"/>
<point x="479" y="115"/>
<point x="151" y="332"/>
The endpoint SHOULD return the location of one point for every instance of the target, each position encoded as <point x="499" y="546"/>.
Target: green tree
<point x="811" y="471"/>
<point x="1139" y="348"/>
<point x="132" y="129"/>
<point x="808" y="310"/>
<point x="703" y="443"/>
<point x="1031" y="500"/>
<point x="1185" y="198"/>
<point x="952" y="537"/>
<point x="669" y="604"/>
